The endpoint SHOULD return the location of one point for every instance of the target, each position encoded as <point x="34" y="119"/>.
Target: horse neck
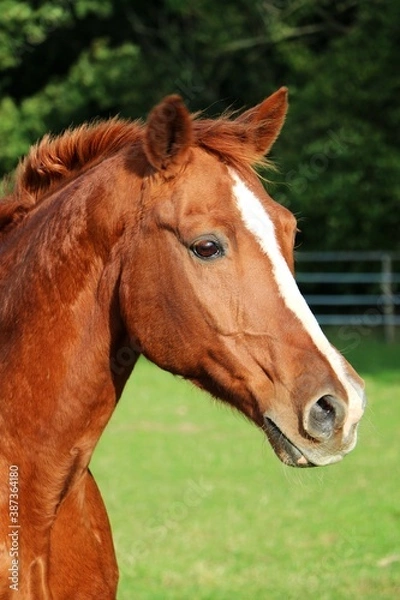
<point x="59" y="274"/>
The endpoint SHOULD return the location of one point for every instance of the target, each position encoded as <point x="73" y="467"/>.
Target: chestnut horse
<point x="121" y="239"/>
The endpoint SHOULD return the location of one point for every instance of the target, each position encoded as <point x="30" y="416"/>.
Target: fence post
<point x="388" y="300"/>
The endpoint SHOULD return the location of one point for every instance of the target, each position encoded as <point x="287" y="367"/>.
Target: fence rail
<point x="367" y="284"/>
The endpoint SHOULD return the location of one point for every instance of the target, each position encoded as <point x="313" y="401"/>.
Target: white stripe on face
<point x="258" y="222"/>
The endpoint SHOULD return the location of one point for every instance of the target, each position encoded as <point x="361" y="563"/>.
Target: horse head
<point x="207" y="289"/>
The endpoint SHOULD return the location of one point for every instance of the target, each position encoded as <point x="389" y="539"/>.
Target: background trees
<point x="64" y="61"/>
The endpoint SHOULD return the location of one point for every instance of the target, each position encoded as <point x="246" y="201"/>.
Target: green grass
<point x="201" y="508"/>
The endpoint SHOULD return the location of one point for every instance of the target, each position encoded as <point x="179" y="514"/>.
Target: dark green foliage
<point x="63" y="62"/>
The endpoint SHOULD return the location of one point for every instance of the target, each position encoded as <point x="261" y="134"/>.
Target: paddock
<point x="201" y="508"/>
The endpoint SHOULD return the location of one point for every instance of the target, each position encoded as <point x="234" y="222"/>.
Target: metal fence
<point x="352" y="288"/>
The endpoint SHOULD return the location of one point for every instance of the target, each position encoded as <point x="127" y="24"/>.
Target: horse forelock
<point x="230" y="141"/>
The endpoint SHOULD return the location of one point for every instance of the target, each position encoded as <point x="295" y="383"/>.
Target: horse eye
<point x="206" y="248"/>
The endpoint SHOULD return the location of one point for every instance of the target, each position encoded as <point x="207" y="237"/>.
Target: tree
<point x="345" y="133"/>
<point x="65" y="61"/>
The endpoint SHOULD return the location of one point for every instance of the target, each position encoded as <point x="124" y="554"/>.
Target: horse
<point x="125" y="238"/>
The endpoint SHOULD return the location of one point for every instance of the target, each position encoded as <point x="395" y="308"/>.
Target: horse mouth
<point x="287" y="452"/>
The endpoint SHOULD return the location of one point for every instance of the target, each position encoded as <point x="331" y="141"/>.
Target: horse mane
<point x="57" y="159"/>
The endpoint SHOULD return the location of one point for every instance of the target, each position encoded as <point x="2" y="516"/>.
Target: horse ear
<point x="169" y="133"/>
<point x="265" y="120"/>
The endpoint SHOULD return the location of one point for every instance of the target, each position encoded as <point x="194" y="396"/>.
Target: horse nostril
<point x="325" y="417"/>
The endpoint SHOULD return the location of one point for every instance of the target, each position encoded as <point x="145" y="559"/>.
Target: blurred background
<point x="63" y="62"/>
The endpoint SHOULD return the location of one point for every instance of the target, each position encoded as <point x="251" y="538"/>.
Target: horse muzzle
<point x="287" y="452"/>
<point x="326" y="439"/>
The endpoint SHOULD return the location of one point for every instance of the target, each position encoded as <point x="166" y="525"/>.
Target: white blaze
<point x="258" y="222"/>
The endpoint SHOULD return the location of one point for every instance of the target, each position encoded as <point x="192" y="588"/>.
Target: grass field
<point x="201" y="508"/>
